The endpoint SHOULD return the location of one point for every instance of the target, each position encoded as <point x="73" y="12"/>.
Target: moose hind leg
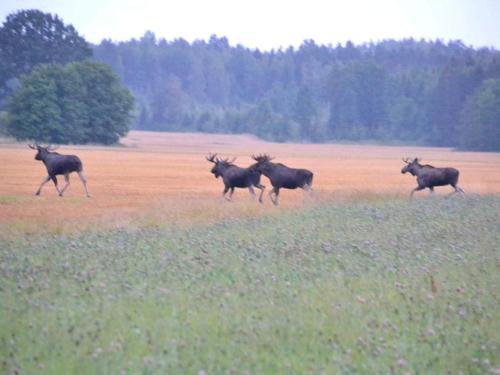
<point x="84" y="182"/>
<point x="307" y="187"/>
<point x="458" y="189"/>
<point x="45" y="180"/>
<point x="66" y="180"/>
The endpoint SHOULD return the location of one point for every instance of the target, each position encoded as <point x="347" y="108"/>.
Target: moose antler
<point x="33" y="146"/>
<point x="406" y="160"/>
<point x="262" y="157"/>
<point x="226" y="160"/>
<point x="212" y="158"/>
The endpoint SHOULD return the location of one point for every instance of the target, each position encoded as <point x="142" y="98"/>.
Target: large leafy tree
<point x="31" y="37"/>
<point x="82" y="102"/>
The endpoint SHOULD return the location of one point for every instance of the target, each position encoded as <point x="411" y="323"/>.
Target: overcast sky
<point x="267" y="24"/>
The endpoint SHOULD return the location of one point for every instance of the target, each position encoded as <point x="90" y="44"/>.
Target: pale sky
<point x="267" y="24"/>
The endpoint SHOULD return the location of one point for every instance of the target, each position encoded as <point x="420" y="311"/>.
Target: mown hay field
<point x="163" y="178"/>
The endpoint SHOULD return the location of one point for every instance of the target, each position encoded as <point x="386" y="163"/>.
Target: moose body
<point x="429" y="176"/>
<point x="282" y="176"/>
<point x="236" y="177"/>
<point x="58" y="164"/>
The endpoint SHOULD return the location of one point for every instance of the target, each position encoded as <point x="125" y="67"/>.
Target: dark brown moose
<point x="58" y="164"/>
<point x="282" y="176"/>
<point x="236" y="177"/>
<point x="429" y="176"/>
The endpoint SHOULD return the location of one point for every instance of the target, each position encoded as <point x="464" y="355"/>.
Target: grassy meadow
<point x="355" y="279"/>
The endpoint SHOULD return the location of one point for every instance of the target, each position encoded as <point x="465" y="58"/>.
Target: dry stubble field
<point x="160" y="178"/>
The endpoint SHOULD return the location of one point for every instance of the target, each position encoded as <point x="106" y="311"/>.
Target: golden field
<point x="155" y="178"/>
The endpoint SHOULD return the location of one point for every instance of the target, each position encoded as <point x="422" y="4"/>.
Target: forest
<point x="408" y="91"/>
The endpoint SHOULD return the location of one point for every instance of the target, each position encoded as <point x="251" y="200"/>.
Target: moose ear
<point x="417" y="160"/>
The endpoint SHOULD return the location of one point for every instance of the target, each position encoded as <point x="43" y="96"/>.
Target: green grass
<point x="332" y="289"/>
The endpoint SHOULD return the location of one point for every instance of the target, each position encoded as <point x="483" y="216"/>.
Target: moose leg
<point x="66" y="180"/>
<point x="276" y="195"/>
<point x="84" y="182"/>
<point x="276" y="192"/>
<point x="54" y="179"/>
<point x="458" y="189"/>
<point x="46" y="179"/>
<point x="226" y="189"/>
<point x="231" y="193"/>
<point x="431" y="189"/>
<point x="307" y="187"/>
<point x="252" y="191"/>
<point x="271" y="192"/>
<point x="262" y="188"/>
<point x="418" y="188"/>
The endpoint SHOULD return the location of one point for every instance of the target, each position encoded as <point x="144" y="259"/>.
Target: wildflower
<point x="401" y="363"/>
<point x="430" y="332"/>
<point x="360" y="299"/>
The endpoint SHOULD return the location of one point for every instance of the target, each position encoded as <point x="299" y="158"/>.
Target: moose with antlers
<point x="282" y="176"/>
<point x="429" y="176"/>
<point x="236" y="177"/>
<point x="58" y="164"/>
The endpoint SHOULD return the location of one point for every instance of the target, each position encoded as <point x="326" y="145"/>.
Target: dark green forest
<point x="417" y="92"/>
<point x="394" y="91"/>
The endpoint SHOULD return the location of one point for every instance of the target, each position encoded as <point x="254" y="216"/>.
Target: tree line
<point x="408" y="91"/>
<point x="420" y="92"/>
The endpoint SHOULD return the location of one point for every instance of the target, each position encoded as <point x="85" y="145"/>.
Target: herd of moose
<point x="280" y="176"/>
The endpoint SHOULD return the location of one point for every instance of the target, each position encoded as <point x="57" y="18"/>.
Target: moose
<point x="282" y="176"/>
<point x="58" y="164"/>
<point x="429" y="176"/>
<point x="236" y="177"/>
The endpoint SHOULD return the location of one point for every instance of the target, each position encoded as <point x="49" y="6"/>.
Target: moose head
<point x="410" y="165"/>
<point x="220" y="164"/>
<point x="42" y="151"/>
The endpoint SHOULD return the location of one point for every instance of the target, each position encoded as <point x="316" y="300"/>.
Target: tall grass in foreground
<point x="334" y="289"/>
